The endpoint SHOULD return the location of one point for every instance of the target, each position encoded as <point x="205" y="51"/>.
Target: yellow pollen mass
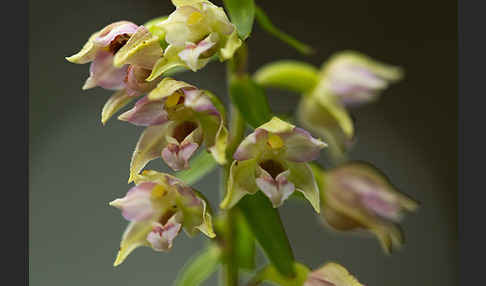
<point x="173" y="99"/>
<point x="158" y="192"/>
<point x="194" y="18"/>
<point x="275" y="141"/>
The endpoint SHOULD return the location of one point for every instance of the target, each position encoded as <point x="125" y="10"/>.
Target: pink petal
<point x="136" y="205"/>
<point x="277" y="190"/>
<point x="251" y="146"/>
<point x="198" y="101"/>
<point x="161" y="237"/>
<point x="146" y="113"/>
<point x="110" y="32"/>
<point x="301" y="146"/>
<point x="104" y="74"/>
<point x="135" y="79"/>
<point x="177" y="157"/>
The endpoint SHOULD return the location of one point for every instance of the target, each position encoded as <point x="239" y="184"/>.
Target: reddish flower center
<point x="274" y="168"/>
<point x="118" y="42"/>
<point x="183" y="129"/>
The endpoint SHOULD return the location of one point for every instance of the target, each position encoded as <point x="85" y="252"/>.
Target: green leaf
<point x="267" y="25"/>
<point x="290" y="75"/>
<point x="270" y="274"/>
<point x="201" y="165"/>
<point x="242" y="15"/>
<point x="250" y="100"/>
<point x="244" y="243"/>
<point x="267" y="227"/>
<point x="199" y="268"/>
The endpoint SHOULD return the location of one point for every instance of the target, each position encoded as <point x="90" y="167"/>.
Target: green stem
<point x="236" y="67"/>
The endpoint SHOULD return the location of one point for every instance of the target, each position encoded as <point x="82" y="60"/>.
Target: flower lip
<point x="273" y="167"/>
<point x="184" y="129"/>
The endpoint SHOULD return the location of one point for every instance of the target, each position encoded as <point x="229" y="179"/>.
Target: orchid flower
<point x="347" y="79"/>
<point x="180" y="118"/>
<point x="273" y="159"/>
<point x="158" y="207"/>
<point x="331" y="274"/>
<point x="194" y="32"/>
<point x="356" y="195"/>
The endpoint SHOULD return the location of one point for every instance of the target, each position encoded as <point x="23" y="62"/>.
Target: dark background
<point x="77" y="166"/>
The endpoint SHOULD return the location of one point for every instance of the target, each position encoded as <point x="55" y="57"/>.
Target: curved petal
<point x="87" y="53"/>
<point x="169" y="61"/>
<point x="142" y="49"/>
<point x="116" y="102"/>
<point x="103" y="73"/>
<point x="252" y="146"/>
<point x="134" y="236"/>
<point x="149" y="147"/>
<point x="303" y="178"/>
<point x="232" y="44"/>
<point x="241" y="182"/>
<point x="146" y="113"/>
<point x="110" y="32"/>
<point x="192" y="52"/>
<point x="137" y="205"/>
<point x="301" y="146"/>
<point x="277" y="126"/>
<point x="199" y="101"/>
<point x="168" y="86"/>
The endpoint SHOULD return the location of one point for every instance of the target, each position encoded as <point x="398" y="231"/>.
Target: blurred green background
<point x="77" y="166"/>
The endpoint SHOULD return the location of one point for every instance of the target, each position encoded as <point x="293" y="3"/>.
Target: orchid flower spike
<point x="273" y="159"/>
<point x="331" y="274"/>
<point x="180" y="118"/>
<point x="357" y="195"/>
<point x="347" y="79"/>
<point x="194" y="32"/>
<point x="158" y="207"/>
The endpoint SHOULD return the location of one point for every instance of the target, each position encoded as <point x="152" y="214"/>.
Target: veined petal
<point x="192" y="52"/>
<point x="302" y="177"/>
<point x="161" y="236"/>
<point x="301" y="146"/>
<point x="199" y="101"/>
<point x="149" y="147"/>
<point x="142" y="49"/>
<point x="116" y="102"/>
<point x="137" y="204"/>
<point x="146" y="113"/>
<point x="104" y="74"/>
<point x="134" y="236"/>
<point x="252" y="145"/>
<point x="177" y="157"/>
<point x="331" y="274"/>
<point x="241" y="182"/>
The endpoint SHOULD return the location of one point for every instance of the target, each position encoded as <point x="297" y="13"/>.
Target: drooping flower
<point x="194" y="32"/>
<point x="158" y="207"/>
<point x="331" y="274"/>
<point x="180" y="118"/>
<point x="347" y="79"/>
<point x="122" y="56"/>
<point x="273" y="159"/>
<point x="358" y="196"/>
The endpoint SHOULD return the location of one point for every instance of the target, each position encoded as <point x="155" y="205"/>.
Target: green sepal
<point x="242" y="15"/>
<point x="199" y="267"/>
<point x="266" y="226"/>
<point x="270" y="274"/>
<point x="250" y="99"/>
<point x="156" y="30"/>
<point x="289" y="75"/>
<point x="267" y="25"/>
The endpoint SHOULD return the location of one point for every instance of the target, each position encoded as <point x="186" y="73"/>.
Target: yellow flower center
<point x="194" y="18"/>
<point x="275" y="141"/>
<point x="158" y="192"/>
<point x="173" y="99"/>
